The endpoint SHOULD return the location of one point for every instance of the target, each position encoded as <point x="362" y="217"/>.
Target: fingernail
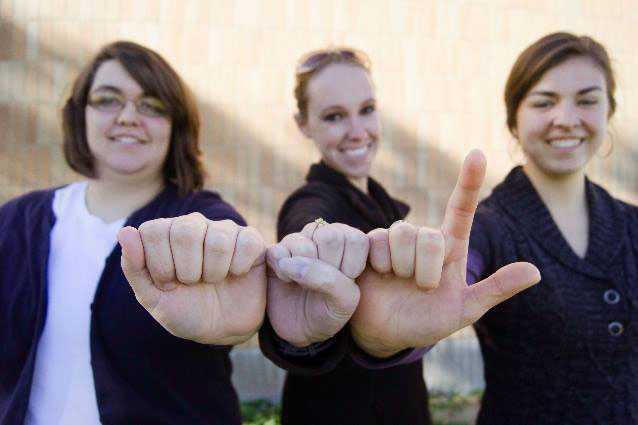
<point x="295" y="267"/>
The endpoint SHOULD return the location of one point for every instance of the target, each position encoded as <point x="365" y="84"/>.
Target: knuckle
<point x="186" y="230"/>
<point x="403" y="232"/>
<point x="249" y="240"/>
<point x="431" y="241"/>
<point x="218" y="242"/>
<point x="154" y="229"/>
<point x="328" y="235"/>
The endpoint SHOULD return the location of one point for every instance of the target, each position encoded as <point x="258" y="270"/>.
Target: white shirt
<point x="63" y="390"/>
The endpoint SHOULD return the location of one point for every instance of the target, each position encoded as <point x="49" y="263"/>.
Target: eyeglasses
<point x="319" y="58"/>
<point x="109" y="101"/>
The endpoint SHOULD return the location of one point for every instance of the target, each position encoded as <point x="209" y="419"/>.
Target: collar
<point x="377" y="207"/>
<point x="607" y="224"/>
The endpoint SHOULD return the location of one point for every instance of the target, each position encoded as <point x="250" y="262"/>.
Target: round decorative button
<point x="611" y="296"/>
<point x="615" y="328"/>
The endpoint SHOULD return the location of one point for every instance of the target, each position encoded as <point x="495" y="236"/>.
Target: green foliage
<point x="260" y="412"/>
<point x="449" y="409"/>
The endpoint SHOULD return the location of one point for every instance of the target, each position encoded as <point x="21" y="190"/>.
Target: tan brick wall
<point x="439" y="66"/>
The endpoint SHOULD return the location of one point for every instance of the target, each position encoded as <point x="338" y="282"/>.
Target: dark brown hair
<point x="546" y="53"/>
<point x="183" y="166"/>
<point x="312" y="63"/>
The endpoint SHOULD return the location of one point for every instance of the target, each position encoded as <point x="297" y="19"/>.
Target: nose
<point x="357" y="130"/>
<point x="128" y="115"/>
<point x="566" y="115"/>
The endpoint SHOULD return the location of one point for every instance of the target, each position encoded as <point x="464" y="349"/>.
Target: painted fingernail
<point x="295" y="267"/>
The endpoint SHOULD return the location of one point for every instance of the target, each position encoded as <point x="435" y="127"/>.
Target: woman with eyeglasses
<point x="76" y="347"/>
<point x="345" y="331"/>
<point x="565" y="351"/>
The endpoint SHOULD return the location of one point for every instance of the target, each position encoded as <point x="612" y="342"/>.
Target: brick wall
<point x="439" y="67"/>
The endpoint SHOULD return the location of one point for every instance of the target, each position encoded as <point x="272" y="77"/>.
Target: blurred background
<point x="439" y="68"/>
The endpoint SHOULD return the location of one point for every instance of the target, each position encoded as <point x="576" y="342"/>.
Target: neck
<point x="360" y="183"/>
<point x="558" y="192"/>
<point x="111" y="199"/>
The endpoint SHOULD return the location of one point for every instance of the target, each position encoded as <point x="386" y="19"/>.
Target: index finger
<point x="461" y="206"/>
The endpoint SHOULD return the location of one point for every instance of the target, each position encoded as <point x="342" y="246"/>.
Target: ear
<point x="302" y="124"/>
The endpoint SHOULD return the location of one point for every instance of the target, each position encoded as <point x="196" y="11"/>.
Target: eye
<point x="588" y="101"/>
<point x="105" y="101"/>
<point x="542" y="104"/>
<point x="333" y="117"/>
<point x="368" y="109"/>
<point x="152" y="106"/>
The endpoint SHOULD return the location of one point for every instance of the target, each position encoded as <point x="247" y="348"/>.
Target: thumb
<point x="134" y="267"/>
<point x="316" y="275"/>
<point x="506" y="282"/>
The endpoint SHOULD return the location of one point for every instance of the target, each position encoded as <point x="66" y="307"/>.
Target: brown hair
<point x="183" y="166"/>
<point x="312" y="63"/>
<point x="546" y="53"/>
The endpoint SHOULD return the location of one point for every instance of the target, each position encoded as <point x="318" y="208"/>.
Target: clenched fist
<point x="201" y="280"/>
<point x="311" y="288"/>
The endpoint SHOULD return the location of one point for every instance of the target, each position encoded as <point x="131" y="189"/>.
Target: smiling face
<point x="126" y="142"/>
<point x="342" y="119"/>
<point x="562" y="120"/>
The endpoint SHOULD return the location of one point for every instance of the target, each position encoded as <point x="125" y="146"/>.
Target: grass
<point x="447" y="409"/>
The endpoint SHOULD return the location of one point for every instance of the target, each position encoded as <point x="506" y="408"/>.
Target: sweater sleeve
<point x="479" y="252"/>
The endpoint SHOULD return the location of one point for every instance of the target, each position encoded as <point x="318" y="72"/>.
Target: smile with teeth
<point x="356" y="152"/>
<point x="127" y="140"/>
<point x="565" y="143"/>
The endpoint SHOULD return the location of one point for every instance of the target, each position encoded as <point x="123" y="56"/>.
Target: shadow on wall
<point x="251" y="173"/>
<point x="33" y="72"/>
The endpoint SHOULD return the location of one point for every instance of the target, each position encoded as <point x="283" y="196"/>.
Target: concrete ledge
<point x="453" y="365"/>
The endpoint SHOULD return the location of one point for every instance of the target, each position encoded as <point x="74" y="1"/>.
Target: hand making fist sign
<point x="311" y="284"/>
<point x="201" y="280"/>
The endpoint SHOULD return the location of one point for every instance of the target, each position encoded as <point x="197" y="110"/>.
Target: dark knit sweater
<point x="331" y="388"/>
<point x="566" y="350"/>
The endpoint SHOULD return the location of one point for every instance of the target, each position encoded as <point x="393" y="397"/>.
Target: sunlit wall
<point x="439" y="68"/>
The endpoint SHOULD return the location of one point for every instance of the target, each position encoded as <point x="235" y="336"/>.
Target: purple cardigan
<point x="142" y="373"/>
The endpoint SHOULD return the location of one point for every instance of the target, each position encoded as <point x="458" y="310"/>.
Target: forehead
<point x="573" y="75"/>
<point x="112" y="73"/>
<point x="340" y="84"/>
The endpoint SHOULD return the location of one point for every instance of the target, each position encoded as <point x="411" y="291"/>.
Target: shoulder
<point x="170" y="204"/>
<point x="309" y="202"/>
<point x="315" y="196"/>
<point x="212" y="206"/>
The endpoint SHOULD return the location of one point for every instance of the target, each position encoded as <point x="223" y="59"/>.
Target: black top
<point x="566" y="350"/>
<point x="330" y="388"/>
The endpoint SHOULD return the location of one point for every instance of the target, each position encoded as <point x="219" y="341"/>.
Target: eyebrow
<point x="107" y="87"/>
<point x="339" y="107"/>
<point x="554" y="94"/>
